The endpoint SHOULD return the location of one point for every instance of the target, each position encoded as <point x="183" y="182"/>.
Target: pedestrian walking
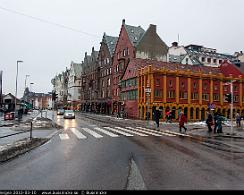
<point x="219" y="124"/>
<point x="238" y="119"/>
<point x="209" y="122"/>
<point x="156" y="118"/>
<point x="216" y="117"/>
<point x="168" y="116"/>
<point x="182" y="121"/>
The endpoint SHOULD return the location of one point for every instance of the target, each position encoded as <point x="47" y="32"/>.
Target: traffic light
<point x="54" y="96"/>
<point x="228" y="97"/>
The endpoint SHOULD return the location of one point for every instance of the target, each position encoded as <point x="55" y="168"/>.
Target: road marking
<point x="123" y="129"/>
<point x="63" y="136"/>
<point x="143" y="131"/>
<point x="118" y="131"/>
<point x="175" y="133"/>
<point x="93" y="133"/>
<point x="158" y="132"/>
<point x="78" y="134"/>
<point x="106" y="132"/>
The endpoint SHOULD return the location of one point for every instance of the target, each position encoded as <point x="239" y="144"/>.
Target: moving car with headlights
<point x="60" y="112"/>
<point x="69" y="114"/>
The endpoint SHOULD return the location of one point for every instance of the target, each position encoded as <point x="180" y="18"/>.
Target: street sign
<point x="148" y="90"/>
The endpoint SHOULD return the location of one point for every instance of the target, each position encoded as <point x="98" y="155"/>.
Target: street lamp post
<point x="16" y="85"/>
<point x="26" y="79"/>
<point x="32" y="101"/>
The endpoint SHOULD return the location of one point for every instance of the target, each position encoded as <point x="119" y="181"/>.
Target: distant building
<point x="198" y="55"/>
<point x="60" y="87"/>
<point x="74" y="86"/>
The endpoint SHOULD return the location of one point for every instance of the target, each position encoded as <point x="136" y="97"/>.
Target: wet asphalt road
<point x="103" y="163"/>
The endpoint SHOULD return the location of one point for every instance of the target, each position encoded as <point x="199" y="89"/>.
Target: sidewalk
<point x="19" y="140"/>
<point x="198" y="129"/>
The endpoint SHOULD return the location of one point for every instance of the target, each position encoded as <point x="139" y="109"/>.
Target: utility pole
<point x="231" y="106"/>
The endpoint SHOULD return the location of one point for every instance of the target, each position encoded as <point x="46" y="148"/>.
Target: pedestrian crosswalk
<point x="101" y="132"/>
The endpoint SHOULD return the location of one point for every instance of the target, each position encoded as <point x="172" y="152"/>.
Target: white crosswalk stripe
<point x="133" y="132"/>
<point x="106" y="132"/>
<point x="93" y="133"/>
<point x="63" y="136"/>
<point x="143" y="131"/>
<point x="78" y="134"/>
<point x="118" y="131"/>
<point x="158" y="132"/>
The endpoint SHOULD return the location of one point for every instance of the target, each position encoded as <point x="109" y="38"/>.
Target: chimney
<point x="153" y="28"/>
<point x="175" y="44"/>
<point x="123" y="22"/>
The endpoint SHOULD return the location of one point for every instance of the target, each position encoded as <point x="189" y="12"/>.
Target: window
<point x="182" y="85"/>
<point x="220" y="61"/>
<point x="209" y="60"/>
<point x="187" y="60"/>
<point x="170" y="83"/>
<point x="109" y="82"/>
<point x="205" y="85"/>
<point x="216" y="97"/>
<point x="205" y="96"/>
<point x="157" y="82"/>
<point x="225" y="88"/>
<point x="110" y="70"/>
<point x="215" y="87"/>
<point x="194" y="85"/>
<point x="236" y="98"/>
<point x="158" y="93"/>
<point x="183" y="95"/>
<point x="194" y="96"/>
<point x="171" y="94"/>
<point x="235" y="88"/>
<point x="107" y="60"/>
<point x="203" y="59"/>
<point x="214" y="61"/>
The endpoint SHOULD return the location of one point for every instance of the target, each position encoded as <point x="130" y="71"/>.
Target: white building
<point x="74" y="85"/>
<point x="198" y="55"/>
<point x="60" y="87"/>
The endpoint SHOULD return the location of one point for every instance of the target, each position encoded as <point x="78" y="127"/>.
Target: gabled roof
<point x="134" y="33"/>
<point x="136" y="64"/>
<point x="227" y="69"/>
<point x="110" y="42"/>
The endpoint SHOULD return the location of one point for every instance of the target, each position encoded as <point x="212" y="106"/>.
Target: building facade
<point x="74" y="86"/>
<point x="198" y="55"/>
<point x="90" y="82"/>
<point x="105" y="59"/>
<point x="192" y="89"/>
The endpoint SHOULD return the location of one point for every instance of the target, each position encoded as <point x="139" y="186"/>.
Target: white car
<point x="69" y="114"/>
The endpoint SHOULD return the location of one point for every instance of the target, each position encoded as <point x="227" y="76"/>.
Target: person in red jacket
<point x="182" y="121"/>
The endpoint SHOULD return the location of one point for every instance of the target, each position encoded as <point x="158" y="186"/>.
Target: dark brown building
<point x="90" y="82"/>
<point x="105" y="59"/>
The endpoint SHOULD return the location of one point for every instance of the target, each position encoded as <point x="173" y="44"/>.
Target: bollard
<point x="31" y="131"/>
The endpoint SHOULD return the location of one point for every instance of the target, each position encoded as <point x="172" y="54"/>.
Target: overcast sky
<point x="47" y="49"/>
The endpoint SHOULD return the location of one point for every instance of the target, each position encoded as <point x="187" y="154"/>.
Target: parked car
<point x="60" y="112"/>
<point x="69" y="114"/>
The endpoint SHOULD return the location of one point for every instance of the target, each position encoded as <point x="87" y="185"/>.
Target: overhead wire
<point x="48" y="22"/>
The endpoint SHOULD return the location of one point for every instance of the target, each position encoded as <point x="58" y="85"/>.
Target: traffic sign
<point x="148" y="90"/>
